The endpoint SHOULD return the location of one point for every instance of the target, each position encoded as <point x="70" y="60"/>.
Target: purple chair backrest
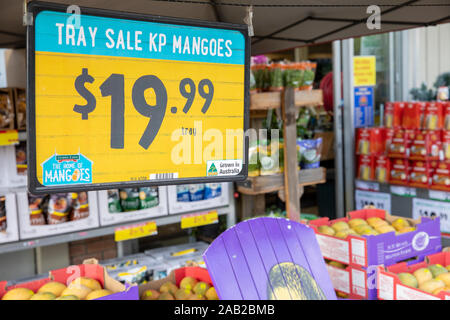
<point x="268" y="259"/>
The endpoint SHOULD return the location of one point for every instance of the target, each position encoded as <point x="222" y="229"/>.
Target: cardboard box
<point x="28" y="231"/>
<point x="369" y="141"/>
<point x="399" y="144"/>
<point x="9" y="231"/>
<point x="441" y="177"/>
<point x="411" y="116"/>
<point x="90" y="269"/>
<point x="366" y="167"/>
<point x="393" y="114"/>
<point x="15" y="162"/>
<point x="391" y="288"/>
<point x="399" y="173"/>
<point x="420" y="174"/>
<point x="386" y="248"/>
<point x="382" y="169"/>
<point x="175" y="276"/>
<point x="176" y="195"/>
<point x="13" y="72"/>
<point x="426" y="145"/>
<point x="434" y="115"/>
<point x="108" y="218"/>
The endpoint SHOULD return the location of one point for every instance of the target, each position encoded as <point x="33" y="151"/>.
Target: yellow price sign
<point x="364" y="71"/>
<point x="134" y="100"/>
<point x="9" y="137"/>
<point x="135" y="231"/>
<point x="199" y="219"/>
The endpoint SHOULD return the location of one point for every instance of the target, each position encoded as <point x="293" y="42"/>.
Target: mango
<point x="77" y="290"/>
<point x="54" y="287"/>
<point x="356" y="222"/>
<point x="71" y="297"/>
<point x="150" y="295"/>
<point x="400" y="223"/>
<point x="342" y="234"/>
<point x="352" y="232"/>
<point x="385" y="229"/>
<point x="87" y="282"/>
<point x="188" y="283"/>
<point x="43" y="296"/>
<point x="361" y="228"/>
<point x="98" y="294"/>
<point x="211" y="294"/>
<point x="168" y="287"/>
<point x="166" y="296"/>
<point x="196" y="297"/>
<point x="437" y="291"/>
<point x="375" y="222"/>
<point x="201" y="287"/>
<point x="408" y="279"/>
<point x="342" y="295"/>
<point x="326" y="230"/>
<point x="406" y="229"/>
<point x="18" y="294"/>
<point x="448" y="267"/>
<point x="423" y="275"/>
<point x="437" y="269"/>
<point x="431" y="285"/>
<point x="445" y="277"/>
<point x="336" y="264"/>
<point x="369" y="233"/>
<point x="183" y="294"/>
<point x="340" y="225"/>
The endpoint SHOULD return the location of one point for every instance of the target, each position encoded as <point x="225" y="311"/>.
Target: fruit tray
<point x="426" y="280"/>
<point x="423" y="238"/>
<point x="89" y="269"/>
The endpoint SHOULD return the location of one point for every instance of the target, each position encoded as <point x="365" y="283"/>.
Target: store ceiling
<point x="278" y="25"/>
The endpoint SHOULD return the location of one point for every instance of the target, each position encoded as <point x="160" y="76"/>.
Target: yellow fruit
<point x="376" y="222"/>
<point x="18" y="294"/>
<point x="87" y="282"/>
<point x="150" y="295"/>
<point x="76" y="290"/>
<point x="71" y="297"/>
<point x="337" y="264"/>
<point x="423" y="275"/>
<point x="431" y="285"/>
<point x="385" y="229"/>
<point x="437" y="291"/>
<point x="342" y="234"/>
<point x="196" y="297"/>
<point x="211" y="294"/>
<point x="352" y="232"/>
<point x="183" y="294"/>
<point x="406" y="229"/>
<point x="339" y="226"/>
<point x="43" y="296"/>
<point x="361" y="228"/>
<point x="188" y="283"/>
<point x="448" y="267"/>
<point x="408" y="279"/>
<point x="369" y="233"/>
<point x="166" y="296"/>
<point x="201" y="287"/>
<point x="326" y="230"/>
<point x="54" y="287"/>
<point x="400" y="223"/>
<point x="356" y="222"/>
<point x="342" y="295"/>
<point x="437" y="269"/>
<point x="445" y="277"/>
<point x="168" y="287"/>
<point x="98" y="294"/>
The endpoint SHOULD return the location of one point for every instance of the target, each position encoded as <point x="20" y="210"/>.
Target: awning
<point x="278" y="25"/>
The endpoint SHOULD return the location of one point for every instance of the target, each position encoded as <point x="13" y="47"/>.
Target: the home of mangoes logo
<point x="67" y="169"/>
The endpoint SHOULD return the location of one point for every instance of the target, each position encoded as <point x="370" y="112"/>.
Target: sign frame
<point x="35" y="187"/>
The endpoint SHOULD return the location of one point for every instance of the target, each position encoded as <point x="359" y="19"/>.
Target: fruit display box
<point x="386" y="248"/>
<point x="391" y="288"/>
<point x="9" y="231"/>
<point x="15" y="168"/>
<point x="175" y="276"/>
<point x="108" y="218"/>
<point x="29" y="231"/>
<point x="90" y="269"/>
<point x="186" y="198"/>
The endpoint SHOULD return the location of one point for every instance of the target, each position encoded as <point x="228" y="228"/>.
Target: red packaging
<point x="366" y="166"/>
<point x="447" y="115"/>
<point x="393" y="114"/>
<point x="399" y="144"/>
<point x="388" y="136"/>
<point x="434" y="116"/>
<point x="419" y="174"/>
<point x="422" y="106"/>
<point x="382" y="169"/>
<point x="411" y="116"/>
<point x="369" y="141"/>
<point x="446" y="145"/>
<point x="399" y="172"/>
<point x="425" y="146"/>
<point x="441" y="177"/>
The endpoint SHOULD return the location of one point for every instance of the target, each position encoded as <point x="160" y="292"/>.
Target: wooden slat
<point x="275" y="182"/>
<point x="272" y="100"/>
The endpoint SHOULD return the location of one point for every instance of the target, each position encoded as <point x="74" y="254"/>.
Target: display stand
<point x="290" y="183"/>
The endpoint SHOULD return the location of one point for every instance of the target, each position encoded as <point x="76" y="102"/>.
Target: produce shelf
<point x="275" y="182"/>
<point x="272" y="100"/>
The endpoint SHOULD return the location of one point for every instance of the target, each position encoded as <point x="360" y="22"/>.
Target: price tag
<point x="378" y="199"/>
<point x="439" y="195"/>
<point x="9" y="137"/>
<point x="133" y="99"/>
<point x="367" y="185"/>
<point x="199" y="219"/>
<point x="403" y="191"/>
<point x="430" y="209"/>
<point x="135" y="231"/>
